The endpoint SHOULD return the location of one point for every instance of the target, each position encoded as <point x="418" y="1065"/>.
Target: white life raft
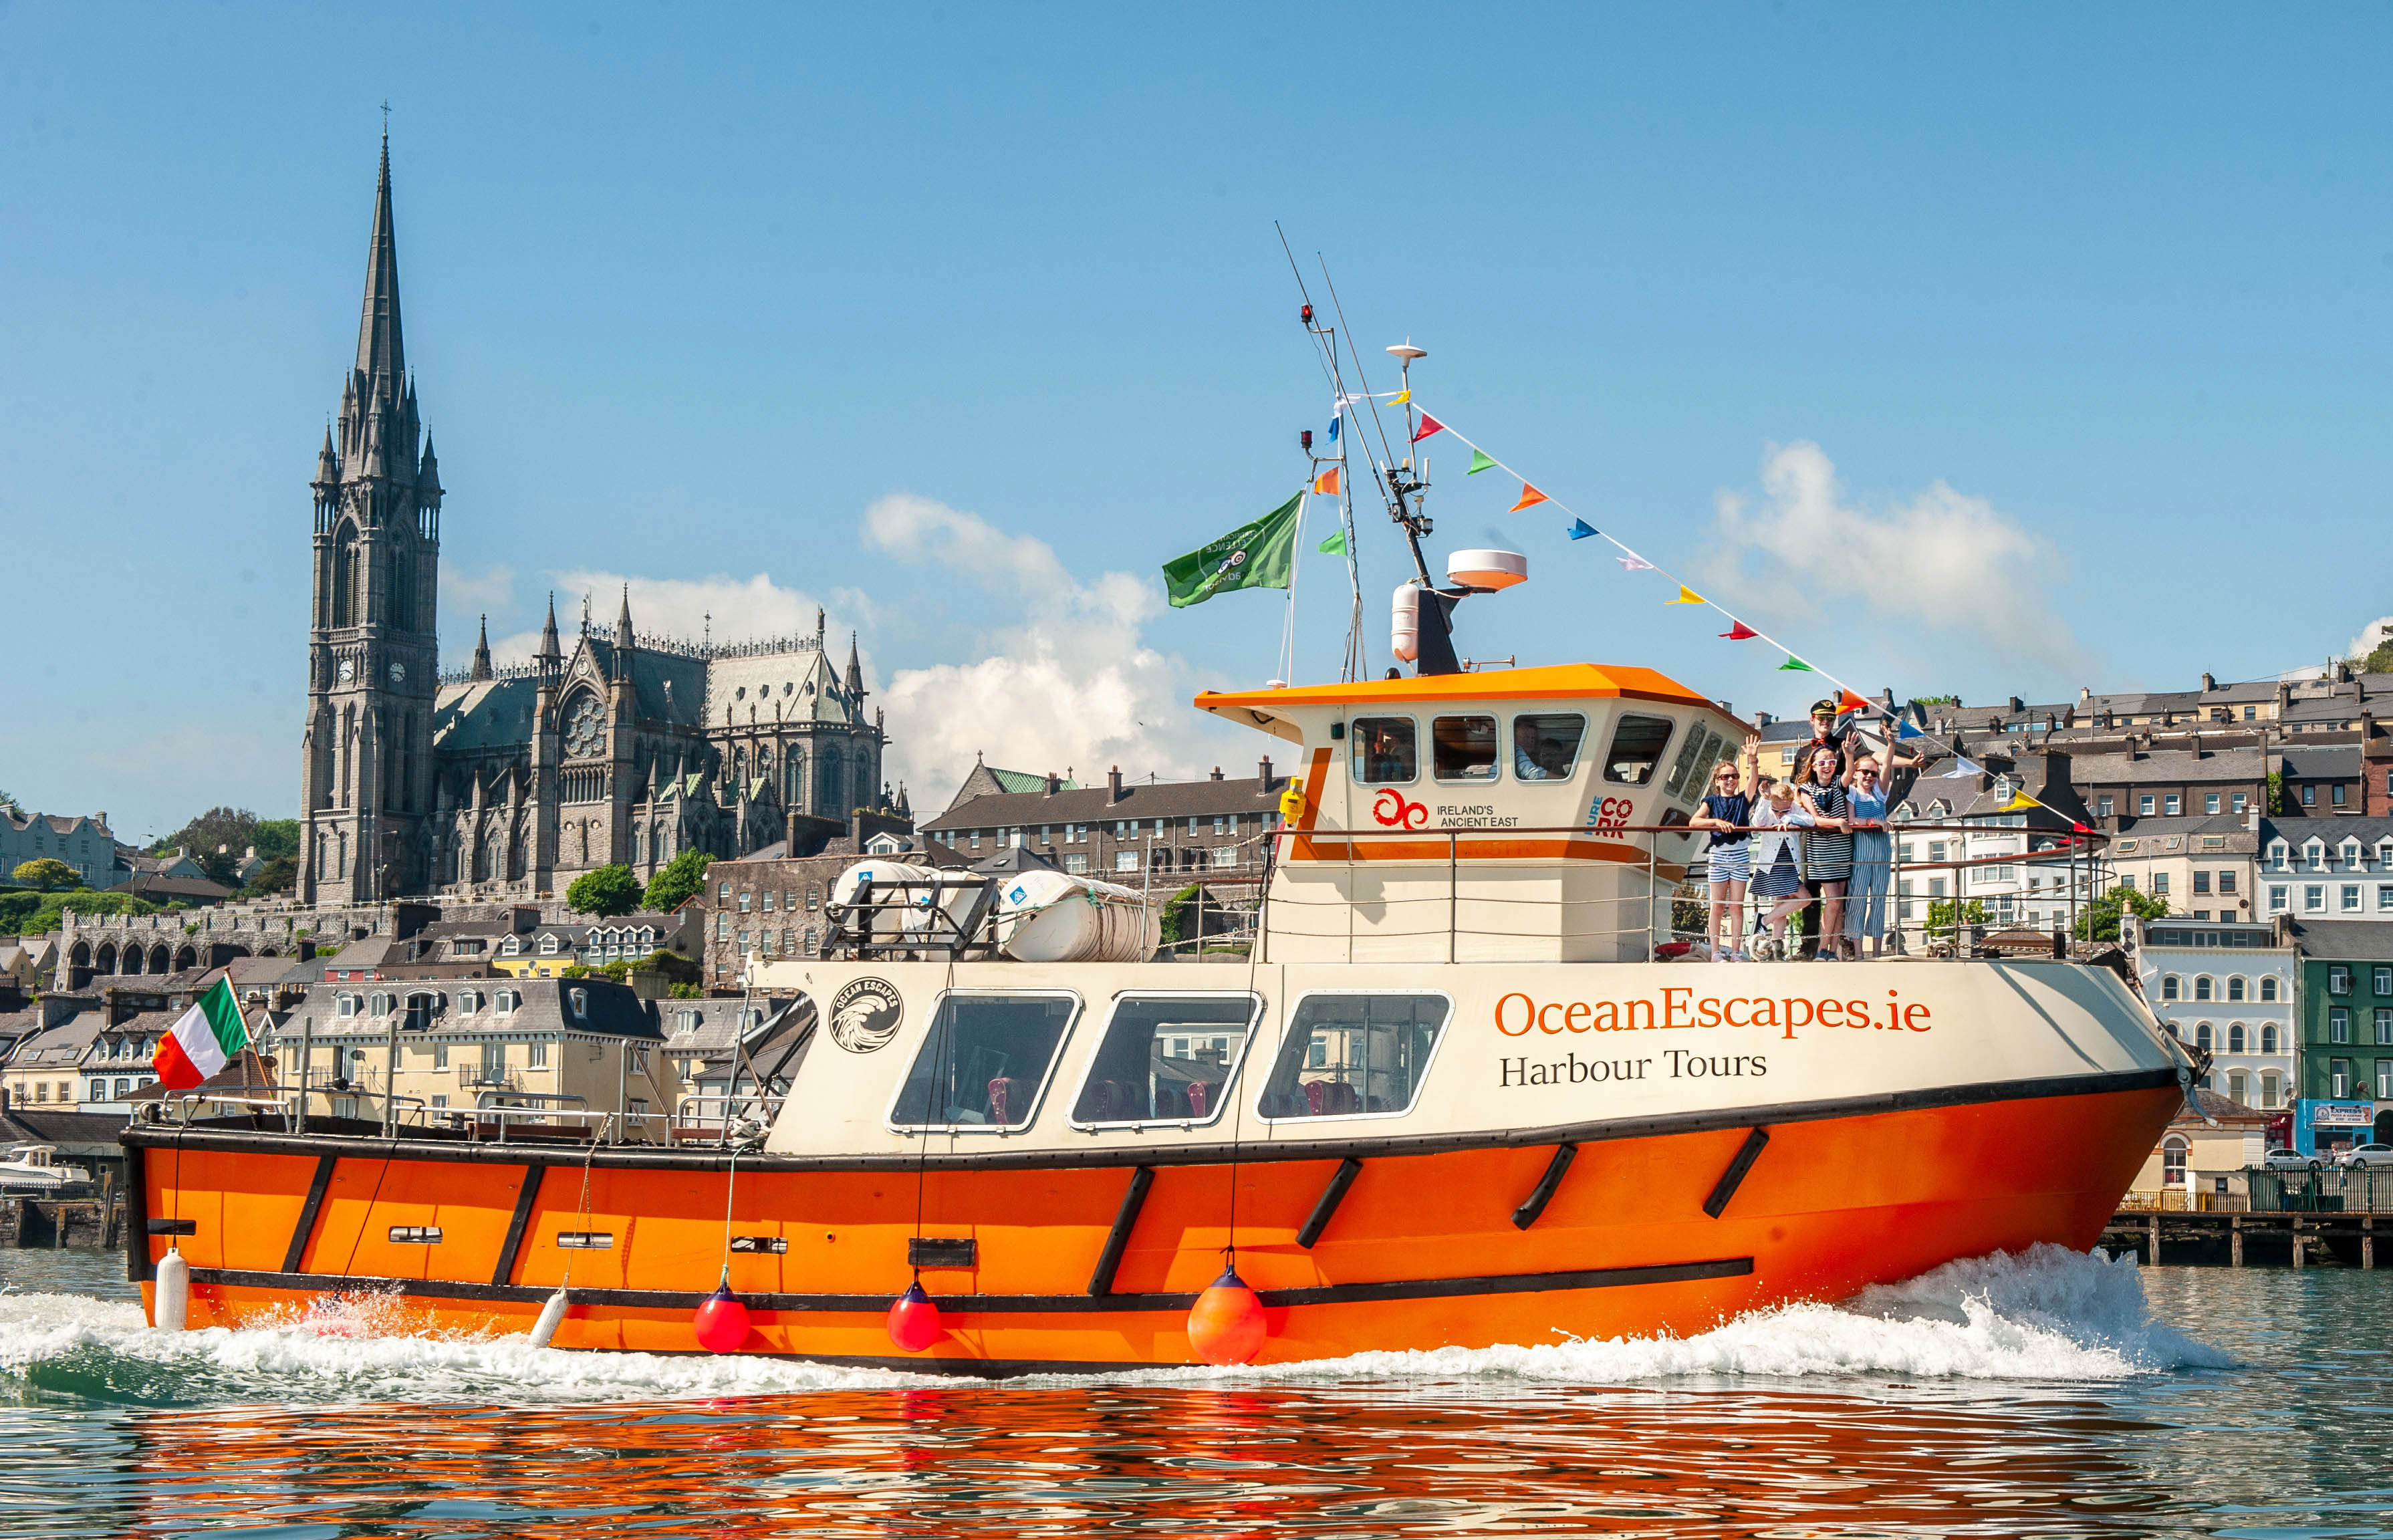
<point x="1050" y="916"/>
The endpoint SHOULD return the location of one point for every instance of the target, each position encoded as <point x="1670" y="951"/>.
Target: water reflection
<point x="1340" y="1461"/>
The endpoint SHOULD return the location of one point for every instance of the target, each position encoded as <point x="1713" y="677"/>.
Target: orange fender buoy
<point x="1226" y="1324"/>
<point x="721" y="1320"/>
<point x="914" y="1319"/>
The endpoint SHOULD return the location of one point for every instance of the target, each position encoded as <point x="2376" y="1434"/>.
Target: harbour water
<point x="2052" y="1395"/>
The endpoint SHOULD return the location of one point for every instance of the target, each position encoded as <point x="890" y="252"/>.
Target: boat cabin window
<point x="1354" y="1055"/>
<point x="1637" y="746"/>
<point x="1385" y="749"/>
<point x="1691" y="772"/>
<point x="1545" y="746"/>
<point x="1463" y="748"/>
<point x="985" y="1061"/>
<point x="1167" y="1059"/>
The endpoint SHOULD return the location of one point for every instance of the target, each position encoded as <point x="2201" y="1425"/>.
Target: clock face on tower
<point x="399" y="673"/>
<point x="348" y="669"/>
<point x="585" y="728"/>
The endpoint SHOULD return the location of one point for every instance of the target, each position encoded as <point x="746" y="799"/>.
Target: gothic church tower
<point x="367" y="776"/>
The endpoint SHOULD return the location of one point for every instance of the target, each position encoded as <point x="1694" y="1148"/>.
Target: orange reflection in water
<point x="1334" y="1460"/>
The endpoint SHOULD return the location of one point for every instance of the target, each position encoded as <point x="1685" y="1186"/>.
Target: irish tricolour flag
<point x="203" y="1042"/>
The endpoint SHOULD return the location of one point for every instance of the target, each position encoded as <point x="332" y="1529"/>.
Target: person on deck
<point x="1828" y="850"/>
<point x="1777" y="861"/>
<point x="1726" y="811"/>
<point x="1872" y="859"/>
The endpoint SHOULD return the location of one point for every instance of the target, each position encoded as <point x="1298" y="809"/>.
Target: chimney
<point x="1762" y="719"/>
<point x="1113" y="785"/>
<point x="1054" y="783"/>
<point x="1217" y="772"/>
<point x="790" y="834"/>
<point x="1265" y="774"/>
<point x="2018" y="705"/>
<point x="2085" y="692"/>
<point x="2208" y="684"/>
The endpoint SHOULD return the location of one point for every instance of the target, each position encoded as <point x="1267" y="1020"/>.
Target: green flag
<point x="1335" y="546"/>
<point x="1259" y="554"/>
<point x="1796" y="665"/>
<point x="1479" y="460"/>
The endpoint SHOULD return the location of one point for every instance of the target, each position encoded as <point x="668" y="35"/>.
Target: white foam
<point x="2046" y="1314"/>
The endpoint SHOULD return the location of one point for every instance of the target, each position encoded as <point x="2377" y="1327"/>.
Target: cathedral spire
<point x="381" y="355"/>
<point x="482" y="652"/>
<point x="550" y="657"/>
<point x="328" y="464"/>
<point x="854" y="678"/>
<point x="623" y="636"/>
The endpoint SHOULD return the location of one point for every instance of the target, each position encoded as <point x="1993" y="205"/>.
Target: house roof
<point x="2155" y="766"/>
<point x="61" y="1046"/>
<point x="2330" y="832"/>
<point x="2324" y="761"/>
<point x="2345" y="940"/>
<point x="152" y="886"/>
<point x="613" y="1009"/>
<point x="1095" y="803"/>
<point x="2203" y="1106"/>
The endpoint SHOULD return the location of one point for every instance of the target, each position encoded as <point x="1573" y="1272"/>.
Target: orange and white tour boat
<point x="1449" y="1096"/>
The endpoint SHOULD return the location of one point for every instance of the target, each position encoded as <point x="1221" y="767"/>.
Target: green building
<point x="2344" y="1067"/>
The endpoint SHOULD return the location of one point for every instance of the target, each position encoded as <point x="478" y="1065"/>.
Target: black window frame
<point x="1255" y="1003"/>
<point x="1354" y="747"/>
<point x="1287" y="1026"/>
<point x="1038" y="1096"/>
<point x="1612" y="748"/>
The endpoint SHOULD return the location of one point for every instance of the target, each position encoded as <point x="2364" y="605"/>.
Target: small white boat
<point x="35" y="1169"/>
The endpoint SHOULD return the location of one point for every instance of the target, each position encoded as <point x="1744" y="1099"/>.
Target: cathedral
<point x="510" y="782"/>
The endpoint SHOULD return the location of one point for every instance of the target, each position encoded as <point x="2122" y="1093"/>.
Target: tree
<point x="47" y="874"/>
<point x="81" y="901"/>
<point x="10" y="803"/>
<point x="1941" y="915"/>
<point x="2276" y="794"/>
<point x="2100" y="919"/>
<point x="278" y="876"/>
<point x="277" y="839"/>
<point x="233" y="828"/>
<point x="679" y="881"/>
<point x="607" y="890"/>
<point x="221" y="866"/>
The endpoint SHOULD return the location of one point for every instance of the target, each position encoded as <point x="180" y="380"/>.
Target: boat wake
<point x="2046" y="1314"/>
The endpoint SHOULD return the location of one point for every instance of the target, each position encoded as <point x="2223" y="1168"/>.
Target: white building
<point x="2229" y="989"/>
<point x="2028" y="872"/>
<point x="2327" y="868"/>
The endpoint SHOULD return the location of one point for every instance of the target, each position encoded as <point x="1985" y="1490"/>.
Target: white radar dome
<point x="1487" y="568"/>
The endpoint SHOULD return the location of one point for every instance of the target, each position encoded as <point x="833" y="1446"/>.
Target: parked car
<point x="2367" y="1154"/>
<point x="2284" y="1159"/>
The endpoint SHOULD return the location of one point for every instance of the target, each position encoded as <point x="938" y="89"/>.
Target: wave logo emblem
<point x="1393" y="811"/>
<point x="864" y="1015"/>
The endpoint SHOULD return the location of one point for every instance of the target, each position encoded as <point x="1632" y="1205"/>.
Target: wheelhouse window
<point x="1691" y="771"/>
<point x="1354" y="1055"/>
<point x="1463" y="748"/>
<point x="1167" y="1059"/>
<point x="1385" y="751"/>
<point x="1545" y="746"/>
<point x="985" y="1061"/>
<point x="1637" y="746"/>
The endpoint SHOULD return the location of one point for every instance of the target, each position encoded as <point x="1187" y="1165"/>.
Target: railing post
<point x="1453" y="902"/>
<point x="1652" y="847"/>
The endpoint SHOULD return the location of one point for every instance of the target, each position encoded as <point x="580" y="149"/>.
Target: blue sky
<point x="2008" y="350"/>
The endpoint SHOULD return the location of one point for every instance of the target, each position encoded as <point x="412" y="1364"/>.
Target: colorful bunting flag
<point x="1326" y="484"/>
<point x="1335" y="546"/>
<point x="1848" y="701"/>
<point x="1627" y="564"/>
<point x="1529" y="497"/>
<point x="1429" y="425"/>
<point x="1334" y="420"/>
<point x="1479" y="460"/>
<point x="1904" y="732"/>
<point x="1968" y="766"/>
<point x="1796" y="665"/>
<point x="1687" y="596"/>
<point x="2020" y="802"/>
<point x="1400" y="398"/>
<point x="1580" y="528"/>
<point x="1739" y="631"/>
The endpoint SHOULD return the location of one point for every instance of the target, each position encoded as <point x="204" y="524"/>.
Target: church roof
<point x="485" y="714"/>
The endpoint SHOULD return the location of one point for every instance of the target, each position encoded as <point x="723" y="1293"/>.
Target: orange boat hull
<point x="1422" y="1252"/>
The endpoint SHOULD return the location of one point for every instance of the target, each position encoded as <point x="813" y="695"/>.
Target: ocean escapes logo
<point x="1517" y="1014"/>
<point x="864" y="1015"/>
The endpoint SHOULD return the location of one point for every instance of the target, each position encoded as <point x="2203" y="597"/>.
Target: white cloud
<point x="1071" y="685"/>
<point x="460" y="591"/>
<point x="1942" y="561"/>
<point x="2374" y="634"/>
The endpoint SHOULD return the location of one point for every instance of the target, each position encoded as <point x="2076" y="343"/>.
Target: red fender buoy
<point x="1226" y="1324"/>
<point x="914" y="1319"/>
<point x="721" y="1320"/>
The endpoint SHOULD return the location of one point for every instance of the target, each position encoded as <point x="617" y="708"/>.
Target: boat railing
<point x="734" y="1118"/>
<point x="1669" y="910"/>
<point x="887" y="920"/>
